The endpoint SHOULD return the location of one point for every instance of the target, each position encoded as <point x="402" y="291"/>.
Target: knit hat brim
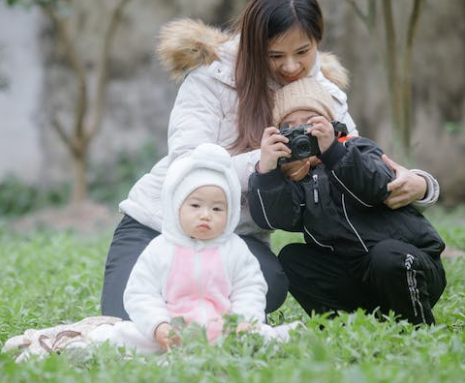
<point x="304" y="94"/>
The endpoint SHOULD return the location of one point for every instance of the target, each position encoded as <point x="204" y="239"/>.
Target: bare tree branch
<point x="61" y="131"/>
<point x="358" y="11"/>
<point x="115" y="16"/>
<point x="391" y="55"/>
<point x="367" y="18"/>
<point x="72" y="142"/>
<point x="407" y="65"/>
<point x="398" y="65"/>
<point x="413" y="21"/>
<point x="76" y="65"/>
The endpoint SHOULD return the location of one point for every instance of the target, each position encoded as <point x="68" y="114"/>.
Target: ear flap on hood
<point x="206" y="158"/>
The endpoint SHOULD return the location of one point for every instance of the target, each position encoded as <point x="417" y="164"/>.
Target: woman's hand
<point x="164" y="335"/>
<point x="272" y="148"/>
<point x="406" y="188"/>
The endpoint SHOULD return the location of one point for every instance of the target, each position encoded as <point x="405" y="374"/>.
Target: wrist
<point x="160" y="327"/>
<point x="432" y="190"/>
<point x="423" y="190"/>
<point x="260" y="170"/>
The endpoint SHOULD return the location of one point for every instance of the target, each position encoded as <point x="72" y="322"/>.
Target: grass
<point x="49" y="278"/>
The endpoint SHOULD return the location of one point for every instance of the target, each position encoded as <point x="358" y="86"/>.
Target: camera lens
<point x="301" y="147"/>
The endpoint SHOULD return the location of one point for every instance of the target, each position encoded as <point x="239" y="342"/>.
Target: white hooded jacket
<point x="200" y="281"/>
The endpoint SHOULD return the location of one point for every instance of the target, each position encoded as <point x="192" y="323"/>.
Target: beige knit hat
<point x="303" y="94"/>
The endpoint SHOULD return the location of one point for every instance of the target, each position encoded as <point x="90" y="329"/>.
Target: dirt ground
<point x="87" y="218"/>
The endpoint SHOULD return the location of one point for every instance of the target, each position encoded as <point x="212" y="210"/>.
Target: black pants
<point x="392" y="276"/>
<point x="131" y="238"/>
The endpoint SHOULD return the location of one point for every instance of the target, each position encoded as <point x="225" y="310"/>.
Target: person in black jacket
<point x="358" y="253"/>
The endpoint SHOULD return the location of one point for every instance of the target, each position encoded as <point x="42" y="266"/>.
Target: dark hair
<point x="260" y="23"/>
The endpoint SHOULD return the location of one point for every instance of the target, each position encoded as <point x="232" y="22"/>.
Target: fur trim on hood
<point x="185" y="44"/>
<point x="333" y="70"/>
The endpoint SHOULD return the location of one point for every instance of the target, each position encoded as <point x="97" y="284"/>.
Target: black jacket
<point x="339" y="205"/>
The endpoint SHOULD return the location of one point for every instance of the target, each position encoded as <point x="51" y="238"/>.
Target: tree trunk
<point x="79" y="191"/>
<point x="397" y="60"/>
<point x="88" y="110"/>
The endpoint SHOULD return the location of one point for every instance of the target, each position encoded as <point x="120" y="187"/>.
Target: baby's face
<point x="204" y="213"/>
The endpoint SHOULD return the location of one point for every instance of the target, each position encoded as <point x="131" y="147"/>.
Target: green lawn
<point x="49" y="278"/>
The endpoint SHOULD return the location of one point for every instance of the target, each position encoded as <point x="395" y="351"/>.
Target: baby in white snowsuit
<point x="198" y="269"/>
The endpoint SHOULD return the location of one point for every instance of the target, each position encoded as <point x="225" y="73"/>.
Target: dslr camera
<point x="303" y="144"/>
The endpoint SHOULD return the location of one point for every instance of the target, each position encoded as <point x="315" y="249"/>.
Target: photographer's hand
<point x="272" y="148"/>
<point x="323" y="131"/>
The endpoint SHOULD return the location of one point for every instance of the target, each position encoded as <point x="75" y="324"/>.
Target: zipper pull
<point x="316" y="197"/>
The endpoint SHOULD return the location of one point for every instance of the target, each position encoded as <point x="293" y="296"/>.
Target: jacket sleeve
<point x="275" y="202"/>
<point x="196" y="114"/>
<point x="248" y="285"/>
<point x="357" y="169"/>
<point x="197" y="117"/>
<point x="432" y="191"/>
<point x="143" y="298"/>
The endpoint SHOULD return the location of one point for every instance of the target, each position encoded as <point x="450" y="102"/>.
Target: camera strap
<point x="340" y="129"/>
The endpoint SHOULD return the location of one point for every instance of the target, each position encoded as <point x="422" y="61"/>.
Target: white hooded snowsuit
<point x="179" y="276"/>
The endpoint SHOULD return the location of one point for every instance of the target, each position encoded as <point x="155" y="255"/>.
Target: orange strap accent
<point x="345" y="138"/>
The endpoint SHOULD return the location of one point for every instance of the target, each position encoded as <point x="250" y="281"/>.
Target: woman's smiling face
<point x="292" y="55"/>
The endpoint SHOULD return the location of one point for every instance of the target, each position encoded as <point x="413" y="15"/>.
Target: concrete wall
<point x="21" y="150"/>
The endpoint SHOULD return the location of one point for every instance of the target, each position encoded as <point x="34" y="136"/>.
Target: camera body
<point x="303" y="144"/>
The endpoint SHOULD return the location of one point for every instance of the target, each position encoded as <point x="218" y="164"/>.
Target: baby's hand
<point x="273" y="147"/>
<point x="245" y="327"/>
<point x="323" y="131"/>
<point x="165" y="336"/>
